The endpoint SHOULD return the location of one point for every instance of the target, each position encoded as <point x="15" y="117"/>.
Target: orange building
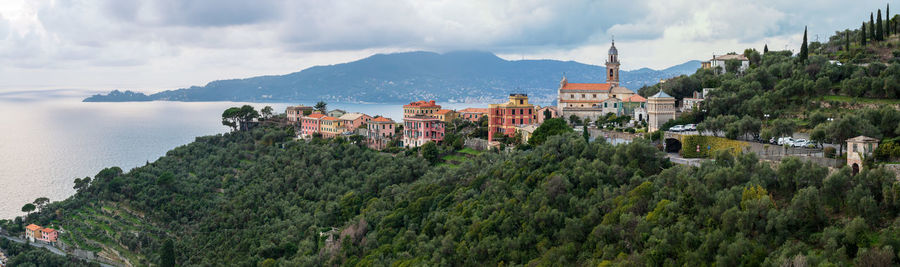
<point x="445" y="115"/>
<point x="36" y="233"/>
<point x="503" y="118"/>
<point x="420" y="108"/>
<point x="473" y="114"/>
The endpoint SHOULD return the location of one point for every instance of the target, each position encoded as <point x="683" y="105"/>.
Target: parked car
<point x="799" y="143"/>
<point x="690" y="127"/>
<point x="676" y="128"/>
<point x="785" y="141"/>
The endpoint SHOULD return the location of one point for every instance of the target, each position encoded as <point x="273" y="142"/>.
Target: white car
<point x="785" y="141"/>
<point x="676" y="128"/>
<point x="692" y="127"/>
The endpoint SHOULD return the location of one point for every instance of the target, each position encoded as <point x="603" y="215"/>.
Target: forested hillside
<point x="259" y="198"/>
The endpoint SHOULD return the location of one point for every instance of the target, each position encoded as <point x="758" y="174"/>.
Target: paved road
<point x="674" y="158"/>
<point x="53" y="249"/>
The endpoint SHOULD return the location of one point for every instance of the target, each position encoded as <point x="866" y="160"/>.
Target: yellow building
<point x="503" y="118"/>
<point x="445" y="115"/>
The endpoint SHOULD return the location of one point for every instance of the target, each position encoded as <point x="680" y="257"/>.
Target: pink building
<point x="311" y="124"/>
<point x="48" y="235"/>
<point x="380" y="132"/>
<point x="353" y="121"/>
<point x="554" y="113"/>
<point x="295" y="113"/>
<point x="418" y="130"/>
<point x="472" y="114"/>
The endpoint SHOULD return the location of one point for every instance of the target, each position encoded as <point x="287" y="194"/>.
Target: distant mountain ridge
<point x="462" y="76"/>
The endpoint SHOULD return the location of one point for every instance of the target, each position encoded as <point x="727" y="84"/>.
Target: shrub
<point x="829" y="152"/>
<point x="709" y="145"/>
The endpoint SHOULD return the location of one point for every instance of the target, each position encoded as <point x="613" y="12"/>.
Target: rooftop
<point x="422" y="104"/>
<point x="329" y="118"/>
<point x="443" y="111"/>
<point x="586" y="86"/>
<point x="47" y="230"/>
<point x="474" y="110"/>
<point x="352" y="116"/>
<point x="661" y="94"/>
<point x="382" y="119"/>
<point x="729" y="57"/>
<point x="316" y="115"/>
<point x="33" y="227"/>
<point x="636" y="98"/>
<point x="862" y="139"/>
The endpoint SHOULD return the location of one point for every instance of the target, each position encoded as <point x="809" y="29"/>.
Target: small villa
<point x="36" y="233"/>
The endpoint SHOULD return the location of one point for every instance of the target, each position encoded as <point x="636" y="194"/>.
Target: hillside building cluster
<point x="426" y="121"/>
<point x="36" y="233"/>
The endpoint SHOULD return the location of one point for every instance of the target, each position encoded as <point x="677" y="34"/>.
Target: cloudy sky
<point x="152" y="45"/>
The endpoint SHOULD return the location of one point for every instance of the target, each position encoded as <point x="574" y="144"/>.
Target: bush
<point x="709" y="145"/>
<point x="629" y="130"/>
<point x="829" y="152"/>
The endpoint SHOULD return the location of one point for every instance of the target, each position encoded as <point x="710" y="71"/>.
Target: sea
<point x="49" y="137"/>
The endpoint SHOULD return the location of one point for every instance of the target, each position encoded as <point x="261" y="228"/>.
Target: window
<point x="604" y="104"/>
<point x="572" y="96"/>
<point x="582" y="95"/>
<point x="595" y="95"/>
<point x="521" y="102"/>
<point x="854" y="149"/>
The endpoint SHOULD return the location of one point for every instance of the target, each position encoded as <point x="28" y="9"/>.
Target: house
<point x="542" y="113"/>
<point x="295" y="113"/>
<point x="380" y="132"/>
<point x="526" y="131"/>
<point x="423" y="108"/>
<point x="36" y="233"/>
<point x="472" y="114"/>
<point x="311" y="124"/>
<point x="445" y="115"/>
<point x="503" y="118"/>
<point x="718" y="63"/>
<point x="660" y="109"/>
<point x="421" y="129"/>
<point x="584" y="99"/>
<point x="354" y="120"/>
<point x="688" y="103"/>
<point x="636" y="107"/>
<point x="858" y="148"/>
<point x="336" y="113"/>
<point x="421" y="123"/>
<point x="331" y="127"/>
<point x="32" y="232"/>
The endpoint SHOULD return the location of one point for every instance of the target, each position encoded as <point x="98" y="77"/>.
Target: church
<point x="593" y="100"/>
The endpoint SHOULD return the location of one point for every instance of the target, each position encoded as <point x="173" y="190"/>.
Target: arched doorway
<point x="855" y="168"/>
<point x="673" y="145"/>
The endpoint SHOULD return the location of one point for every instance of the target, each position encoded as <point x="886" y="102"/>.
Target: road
<point x="53" y="249"/>
<point x="674" y="158"/>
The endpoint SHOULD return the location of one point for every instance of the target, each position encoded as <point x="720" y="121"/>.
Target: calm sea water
<point x="48" y="138"/>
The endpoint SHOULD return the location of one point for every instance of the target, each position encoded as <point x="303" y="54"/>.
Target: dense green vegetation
<point x="28" y="256"/>
<point x="239" y="200"/>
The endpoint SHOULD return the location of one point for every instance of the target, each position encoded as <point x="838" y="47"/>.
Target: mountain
<point x="463" y="76"/>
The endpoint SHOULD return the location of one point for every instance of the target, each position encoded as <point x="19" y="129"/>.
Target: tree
<point x="804" y="48"/>
<point x="237" y="118"/>
<point x="321" y="106"/>
<point x="783" y="127"/>
<point x="879" y="28"/>
<point x="28" y="208"/>
<point x="887" y="25"/>
<point x="872" y="28"/>
<point x="847" y="40"/>
<point x="585" y="133"/>
<point x="732" y="65"/>
<point x="430" y="152"/>
<point x="554" y="126"/>
<point x="266" y="112"/>
<point x="766" y="49"/>
<point x="547" y="114"/>
<point x="41" y="202"/>
<point x="574" y="119"/>
<point x="862" y="35"/>
<point x="81" y="184"/>
<point x="167" y="255"/>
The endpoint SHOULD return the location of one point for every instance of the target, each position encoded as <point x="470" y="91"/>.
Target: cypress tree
<point x="862" y="35"/>
<point x="872" y="28"/>
<point x="167" y="255"/>
<point x="804" y="49"/>
<point x="847" y="40"/>
<point x="879" y="28"/>
<point x="887" y="24"/>
<point x="766" y="49"/>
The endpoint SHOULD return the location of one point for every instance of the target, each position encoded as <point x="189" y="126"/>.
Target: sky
<point x="154" y="45"/>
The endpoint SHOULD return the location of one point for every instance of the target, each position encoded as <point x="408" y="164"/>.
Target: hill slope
<point x="392" y="78"/>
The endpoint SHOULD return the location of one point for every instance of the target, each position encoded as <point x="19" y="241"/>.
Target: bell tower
<point x="612" y="66"/>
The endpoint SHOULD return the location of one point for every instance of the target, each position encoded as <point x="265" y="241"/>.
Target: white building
<point x="718" y="63"/>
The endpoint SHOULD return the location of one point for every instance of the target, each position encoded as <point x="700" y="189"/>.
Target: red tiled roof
<point x="33" y="227"/>
<point x="48" y="230"/>
<point x="422" y="104"/>
<point x="474" y="110"/>
<point x="382" y="119"/>
<point x="636" y="98"/>
<point x="329" y="118"/>
<point x="579" y="101"/>
<point x="316" y="115"/>
<point x="444" y="111"/>
<point x="587" y="86"/>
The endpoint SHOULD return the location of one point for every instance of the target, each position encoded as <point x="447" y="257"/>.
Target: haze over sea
<point x="50" y="137"/>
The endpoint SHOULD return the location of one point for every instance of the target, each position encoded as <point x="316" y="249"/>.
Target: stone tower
<point x="612" y="66"/>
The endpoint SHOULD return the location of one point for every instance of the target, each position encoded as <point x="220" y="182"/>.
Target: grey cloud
<point x="195" y="13"/>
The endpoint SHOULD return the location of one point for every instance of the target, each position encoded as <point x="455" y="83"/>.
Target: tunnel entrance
<point x="673" y="145"/>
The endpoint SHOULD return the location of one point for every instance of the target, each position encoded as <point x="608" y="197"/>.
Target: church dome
<point x="613" y="50"/>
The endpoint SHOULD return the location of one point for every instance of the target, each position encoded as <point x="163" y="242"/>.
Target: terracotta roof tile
<point x="382" y="119"/>
<point x="444" y="111"/>
<point x="33" y="227"/>
<point x="329" y="118"/>
<point x="587" y="86"/>
<point x="636" y="98"/>
<point x="316" y="115"/>
<point x="422" y="104"/>
<point x="474" y="110"/>
<point x="48" y="230"/>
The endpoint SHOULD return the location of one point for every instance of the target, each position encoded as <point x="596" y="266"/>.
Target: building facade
<point x="585" y="100"/>
<point x="718" y="63"/>
<point x="352" y="121"/>
<point x="295" y="113"/>
<point x="421" y="129"/>
<point x="857" y="149"/>
<point x="472" y="114"/>
<point x="503" y="118"/>
<point x="311" y="124"/>
<point x="36" y="233"/>
<point x="331" y="127"/>
<point x="541" y="113"/>
<point x="688" y="103"/>
<point x="660" y="109"/>
<point x="423" y="108"/>
<point x="445" y="115"/>
<point x="380" y="132"/>
<point x="336" y="113"/>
